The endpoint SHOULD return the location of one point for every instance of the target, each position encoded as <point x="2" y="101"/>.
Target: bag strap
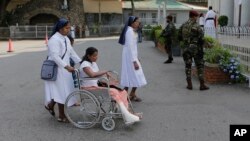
<point x="66" y="48"/>
<point x="64" y="52"/>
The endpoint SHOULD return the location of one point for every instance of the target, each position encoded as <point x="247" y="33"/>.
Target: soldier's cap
<point x="193" y="13"/>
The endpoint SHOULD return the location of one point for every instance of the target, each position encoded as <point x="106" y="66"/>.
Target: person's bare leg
<point x="50" y="107"/>
<point x="51" y="104"/>
<point x="126" y="89"/>
<point x="132" y="93"/>
<point x="61" y="117"/>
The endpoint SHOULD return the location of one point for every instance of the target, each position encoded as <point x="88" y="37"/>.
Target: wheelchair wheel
<point x="108" y="124"/>
<point x="82" y="109"/>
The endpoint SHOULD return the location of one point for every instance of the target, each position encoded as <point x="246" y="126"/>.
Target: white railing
<point x="39" y="32"/>
<point x="105" y="30"/>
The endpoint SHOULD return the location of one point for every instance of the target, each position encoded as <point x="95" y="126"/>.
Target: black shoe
<point x="168" y="61"/>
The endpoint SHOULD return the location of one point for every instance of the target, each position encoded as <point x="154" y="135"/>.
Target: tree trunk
<point x="133" y="8"/>
<point x="3" y="5"/>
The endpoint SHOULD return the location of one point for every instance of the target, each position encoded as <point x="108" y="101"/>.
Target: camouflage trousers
<point x="190" y="54"/>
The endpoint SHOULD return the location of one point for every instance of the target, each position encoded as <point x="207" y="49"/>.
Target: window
<point x="154" y="17"/>
<point x="174" y="17"/>
<point x="142" y="15"/>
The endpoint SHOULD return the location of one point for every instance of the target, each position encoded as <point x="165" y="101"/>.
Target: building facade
<point x="45" y="12"/>
<point x="79" y="12"/>
<point x="150" y="12"/>
<point x="195" y="2"/>
<point x="103" y="12"/>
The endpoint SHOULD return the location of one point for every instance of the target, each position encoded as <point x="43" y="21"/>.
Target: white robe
<point x="210" y="29"/>
<point x="63" y="86"/>
<point x="129" y="76"/>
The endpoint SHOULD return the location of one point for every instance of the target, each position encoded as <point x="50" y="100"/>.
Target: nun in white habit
<point x="60" y="51"/>
<point x="132" y="75"/>
<point x="210" y="23"/>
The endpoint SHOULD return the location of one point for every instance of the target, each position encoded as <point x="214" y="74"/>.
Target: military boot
<point x="169" y="60"/>
<point x="203" y="86"/>
<point x="189" y="86"/>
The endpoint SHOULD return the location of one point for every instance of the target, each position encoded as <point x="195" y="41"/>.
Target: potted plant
<point x="147" y="31"/>
<point x="160" y="41"/>
<point x="152" y="33"/>
<point x="223" y="20"/>
<point x="176" y="45"/>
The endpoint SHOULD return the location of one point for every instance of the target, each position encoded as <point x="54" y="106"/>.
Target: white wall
<point x="231" y="9"/>
<point x="227" y="8"/>
<point x="215" y="4"/>
<point x="245" y="13"/>
<point x="181" y="17"/>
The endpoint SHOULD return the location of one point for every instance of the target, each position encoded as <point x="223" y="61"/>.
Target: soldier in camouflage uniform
<point x="192" y="36"/>
<point x="169" y="33"/>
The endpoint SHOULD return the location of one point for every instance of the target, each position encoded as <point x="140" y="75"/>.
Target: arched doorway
<point x="43" y="19"/>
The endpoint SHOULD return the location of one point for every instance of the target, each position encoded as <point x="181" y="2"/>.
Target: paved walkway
<point x="19" y="46"/>
<point x="171" y="112"/>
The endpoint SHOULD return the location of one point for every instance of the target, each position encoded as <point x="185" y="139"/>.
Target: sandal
<point x="51" y="111"/>
<point x="135" y="98"/>
<point x="63" y="120"/>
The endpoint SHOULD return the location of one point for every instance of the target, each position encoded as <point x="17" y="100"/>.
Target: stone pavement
<point x="170" y="111"/>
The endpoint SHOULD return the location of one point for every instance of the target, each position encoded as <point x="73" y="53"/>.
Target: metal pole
<point x="159" y="15"/>
<point x="239" y="22"/>
<point x="36" y="31"/>
<point x="164" y="13"/>
<point x="99" y="22"/>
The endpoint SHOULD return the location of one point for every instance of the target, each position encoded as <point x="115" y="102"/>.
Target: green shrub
<point x="223" y="20"/>
<point x="152" y="34"/>
<point x="214" y="54"/>
<point x="158" y="36"/>
<point x="147" y="31"/>
<point x="210" y="42"/>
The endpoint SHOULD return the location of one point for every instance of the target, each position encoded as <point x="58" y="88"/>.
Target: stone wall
<point x="24" y="13"/>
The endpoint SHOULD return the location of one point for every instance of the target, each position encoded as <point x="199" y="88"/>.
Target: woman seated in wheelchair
<point x="89" y="68"/>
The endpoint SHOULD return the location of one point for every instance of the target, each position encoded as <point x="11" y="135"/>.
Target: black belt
<point x="209" y="19"/>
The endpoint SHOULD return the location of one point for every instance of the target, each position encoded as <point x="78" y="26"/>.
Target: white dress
<point x="201" y="21"/>
<point x="94" y="68"/>
<point x="63" y="86"/>
<point x="129" y="76"/>
<point x="209" y="26"/>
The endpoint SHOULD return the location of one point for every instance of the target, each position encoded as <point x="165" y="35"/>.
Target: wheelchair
<point x="85" y="108"/>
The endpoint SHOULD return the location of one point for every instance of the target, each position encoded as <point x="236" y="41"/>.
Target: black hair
<point x="89" y="51"/>
<point x="210" y="8"/>
<point x="201" y="14"/>
<point x="59" y="24"/>
<point x="130" y="22"/>
<point x="170" y="17"/>
<point x="71" y="39"/>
